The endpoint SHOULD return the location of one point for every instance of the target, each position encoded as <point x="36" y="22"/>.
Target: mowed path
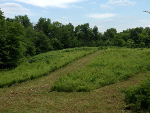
<point x="35" y="96"/>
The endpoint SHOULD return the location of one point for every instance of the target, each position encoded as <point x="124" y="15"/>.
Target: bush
<point x="11" y="49"/>
<point x="138" y="98"/>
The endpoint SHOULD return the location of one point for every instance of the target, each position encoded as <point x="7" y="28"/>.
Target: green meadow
<point x="111" y="66"/>
<point x="41" y="65"/>
<point x="118" y="69"/>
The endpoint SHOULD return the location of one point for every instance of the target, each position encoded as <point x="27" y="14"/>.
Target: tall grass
<point x="41" y="65"/>
<point x="111" y="66"/>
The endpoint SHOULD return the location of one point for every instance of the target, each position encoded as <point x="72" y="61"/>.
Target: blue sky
<point x="105" y="14"/>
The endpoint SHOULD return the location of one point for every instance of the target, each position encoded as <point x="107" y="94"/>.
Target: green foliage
<point x="43" y="25"/>
<point x="24" y="20"/>
<point x="102" y="48"/>
<point x="119" y="42"/>
<point x="2" y="23"/>
<point x="86" y="35"/>
<point x="130" y="43"/>
<point x="95" y="33"/>
<point x="111" y="66"/>
<point x="42" y="43"/>
<point x="11" y="45"/>
<point x="41" y="65"/>
<point x="30" y="42"/>
<point x="110" y="34"/>
<point x="56" y="44"/>
<point x="143" y="39"/>
<point x="138" y="98"/>
<point x="100" y="43"/>
<point x="1" y="15"/>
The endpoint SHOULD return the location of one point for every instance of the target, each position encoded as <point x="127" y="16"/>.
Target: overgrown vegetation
<point x="112" y="65"/>
<point x="138" y="98"/>
<point x="41" y="65"/>
<point x="19" y="38"/>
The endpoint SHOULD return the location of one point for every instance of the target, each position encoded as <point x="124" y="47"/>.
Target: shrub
<point x="138" y="98"/>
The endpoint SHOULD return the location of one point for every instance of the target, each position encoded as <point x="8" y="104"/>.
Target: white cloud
<point x="101" y="16"/>
<point x="111" y="3"/>
<point x="148" y="25"/>
<point x="50" y="3"/>
<point x="106" y="7"/>
<point x="12" y="9"/>
<point x="121" y="2"/>
<point x="76" y="6"/>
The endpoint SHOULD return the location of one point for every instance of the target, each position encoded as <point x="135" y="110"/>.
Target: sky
<point x="105" y="14"/>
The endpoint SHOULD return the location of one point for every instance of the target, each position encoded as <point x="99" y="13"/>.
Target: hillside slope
<point x="34" y="96"/>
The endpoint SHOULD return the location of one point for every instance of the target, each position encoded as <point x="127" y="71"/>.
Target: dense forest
<point x="19" y="38"/>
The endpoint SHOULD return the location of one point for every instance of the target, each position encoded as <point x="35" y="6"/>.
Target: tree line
<point x="19" y="38"/>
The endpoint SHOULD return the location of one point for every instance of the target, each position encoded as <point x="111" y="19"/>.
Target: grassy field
<point x="41" y="65"/>
<point x="35" y="96"/>
<point x="112" y="65"/>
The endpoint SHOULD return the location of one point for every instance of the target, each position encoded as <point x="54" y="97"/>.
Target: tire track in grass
<point x="72" y="67"/>
<point x="33" y="96"/>
<point x="23" y="94"/>
<point x="44" y="83"/>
